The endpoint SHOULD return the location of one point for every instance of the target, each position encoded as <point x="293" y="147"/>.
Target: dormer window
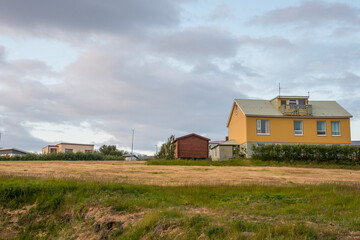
<point x="302" y="102"/>
<point x="292" y="101"/>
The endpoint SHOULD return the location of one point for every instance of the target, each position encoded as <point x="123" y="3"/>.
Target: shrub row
<point x="79" y="156"/>
<point x="344" y="154"/>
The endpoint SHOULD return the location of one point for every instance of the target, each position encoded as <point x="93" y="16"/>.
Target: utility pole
<point x="279" y="89"/>
<point x="132" y="143"/>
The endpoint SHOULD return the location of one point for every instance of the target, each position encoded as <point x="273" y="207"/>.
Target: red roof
<point x="191" y="135"/>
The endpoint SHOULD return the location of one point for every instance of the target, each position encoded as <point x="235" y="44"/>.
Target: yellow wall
<point x="237" y="126"/>
<point x="282" y="130"/>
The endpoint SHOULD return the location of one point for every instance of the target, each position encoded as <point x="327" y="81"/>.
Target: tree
<point x="167" y="150"/>
<point x="111" y="150"/>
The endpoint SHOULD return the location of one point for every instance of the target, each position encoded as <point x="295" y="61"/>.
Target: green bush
<point x="346" y="154"/>
<point x="79" y="156"/>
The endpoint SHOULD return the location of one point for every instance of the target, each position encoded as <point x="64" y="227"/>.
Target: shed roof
<point x="191" y="135"/>
<point x="226" y="143"/>
<point x="12" y="149"/>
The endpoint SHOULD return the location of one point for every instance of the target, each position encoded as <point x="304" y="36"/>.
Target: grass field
<point x="252" y="163"/>
<point x="69" y="209"/>
<point x="132" y="200"/>
<point x="140" y="173"/>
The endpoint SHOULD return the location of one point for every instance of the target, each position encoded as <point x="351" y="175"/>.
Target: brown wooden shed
<point x="191" y="146"/>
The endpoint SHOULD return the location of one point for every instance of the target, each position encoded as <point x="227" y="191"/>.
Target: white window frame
<point x="320" y="135"/>
<point x="258" y="127"/>
<point x="302" y="128"/>
<point x="339" y="129"/>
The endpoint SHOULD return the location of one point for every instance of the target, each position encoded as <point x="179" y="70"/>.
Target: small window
<point x="283" y="102"/>
<point x="335" y="128"/>
<point x="68" y="150"/>
<point x="292" y="101"/>
<point x="298" y="128"/>
<point x="302" y="102"/>
<point x="52" y="150"/>
<point x="263" y="127"/>
<point x="321" y="128"/>
<point x="236" y="109"/>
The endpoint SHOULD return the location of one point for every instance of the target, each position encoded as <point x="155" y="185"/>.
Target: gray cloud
<point x="151" y="96"/>
<point x="344" y="32"/>
<point x="199" y="43"/>
<point x="221" y="11"/>
<point x="18" y="136"/>
<point x="248" y="72"/>
<point x="311" y="13"/>
<point x="2" y="54"/>
<point x="267" y="42"/>
<point x="169" y="81"/>
<point x="92" y="16"/>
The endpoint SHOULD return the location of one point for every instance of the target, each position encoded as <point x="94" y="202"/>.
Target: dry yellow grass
<point x="139" y="173"/>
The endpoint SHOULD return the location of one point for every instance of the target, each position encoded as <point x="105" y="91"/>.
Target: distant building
<point x="130" y="157"/>
<point x="11" y="152"/>
<point x="223" y="150"/>
<point x="192" y="146"/>
<point x="68" y="147"/>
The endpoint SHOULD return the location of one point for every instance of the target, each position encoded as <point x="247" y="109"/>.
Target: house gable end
<point x="232" y="112"/>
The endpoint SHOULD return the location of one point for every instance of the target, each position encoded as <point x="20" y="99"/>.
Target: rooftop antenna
<point x="308" y="94"/>
<point x="280" y="89"/>
<point x="132" y="143"/>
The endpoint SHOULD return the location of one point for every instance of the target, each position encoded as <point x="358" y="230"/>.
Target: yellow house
<point x="68" y="147"/>
<point x="288" y="120"/>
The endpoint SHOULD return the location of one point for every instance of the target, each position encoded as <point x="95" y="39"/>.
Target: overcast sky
<point x="90" y="71"/>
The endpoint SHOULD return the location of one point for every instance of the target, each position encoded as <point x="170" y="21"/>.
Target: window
<point x="298" y="128"/>
<point x="262" y="127"/>
<point x="68" y="150"/>
<point x="52" y="150"/>
<point x="302" y="103"/>
<point x="321" y="128"/>
<point x="335" y="128"/>
<point x="283" y="102"/>
<point x="236" y="109"/>
<point x="292" y="103"/>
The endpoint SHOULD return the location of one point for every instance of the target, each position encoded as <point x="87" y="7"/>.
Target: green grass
<point x="250" y="162"/>
<point x="53" y="209"/>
